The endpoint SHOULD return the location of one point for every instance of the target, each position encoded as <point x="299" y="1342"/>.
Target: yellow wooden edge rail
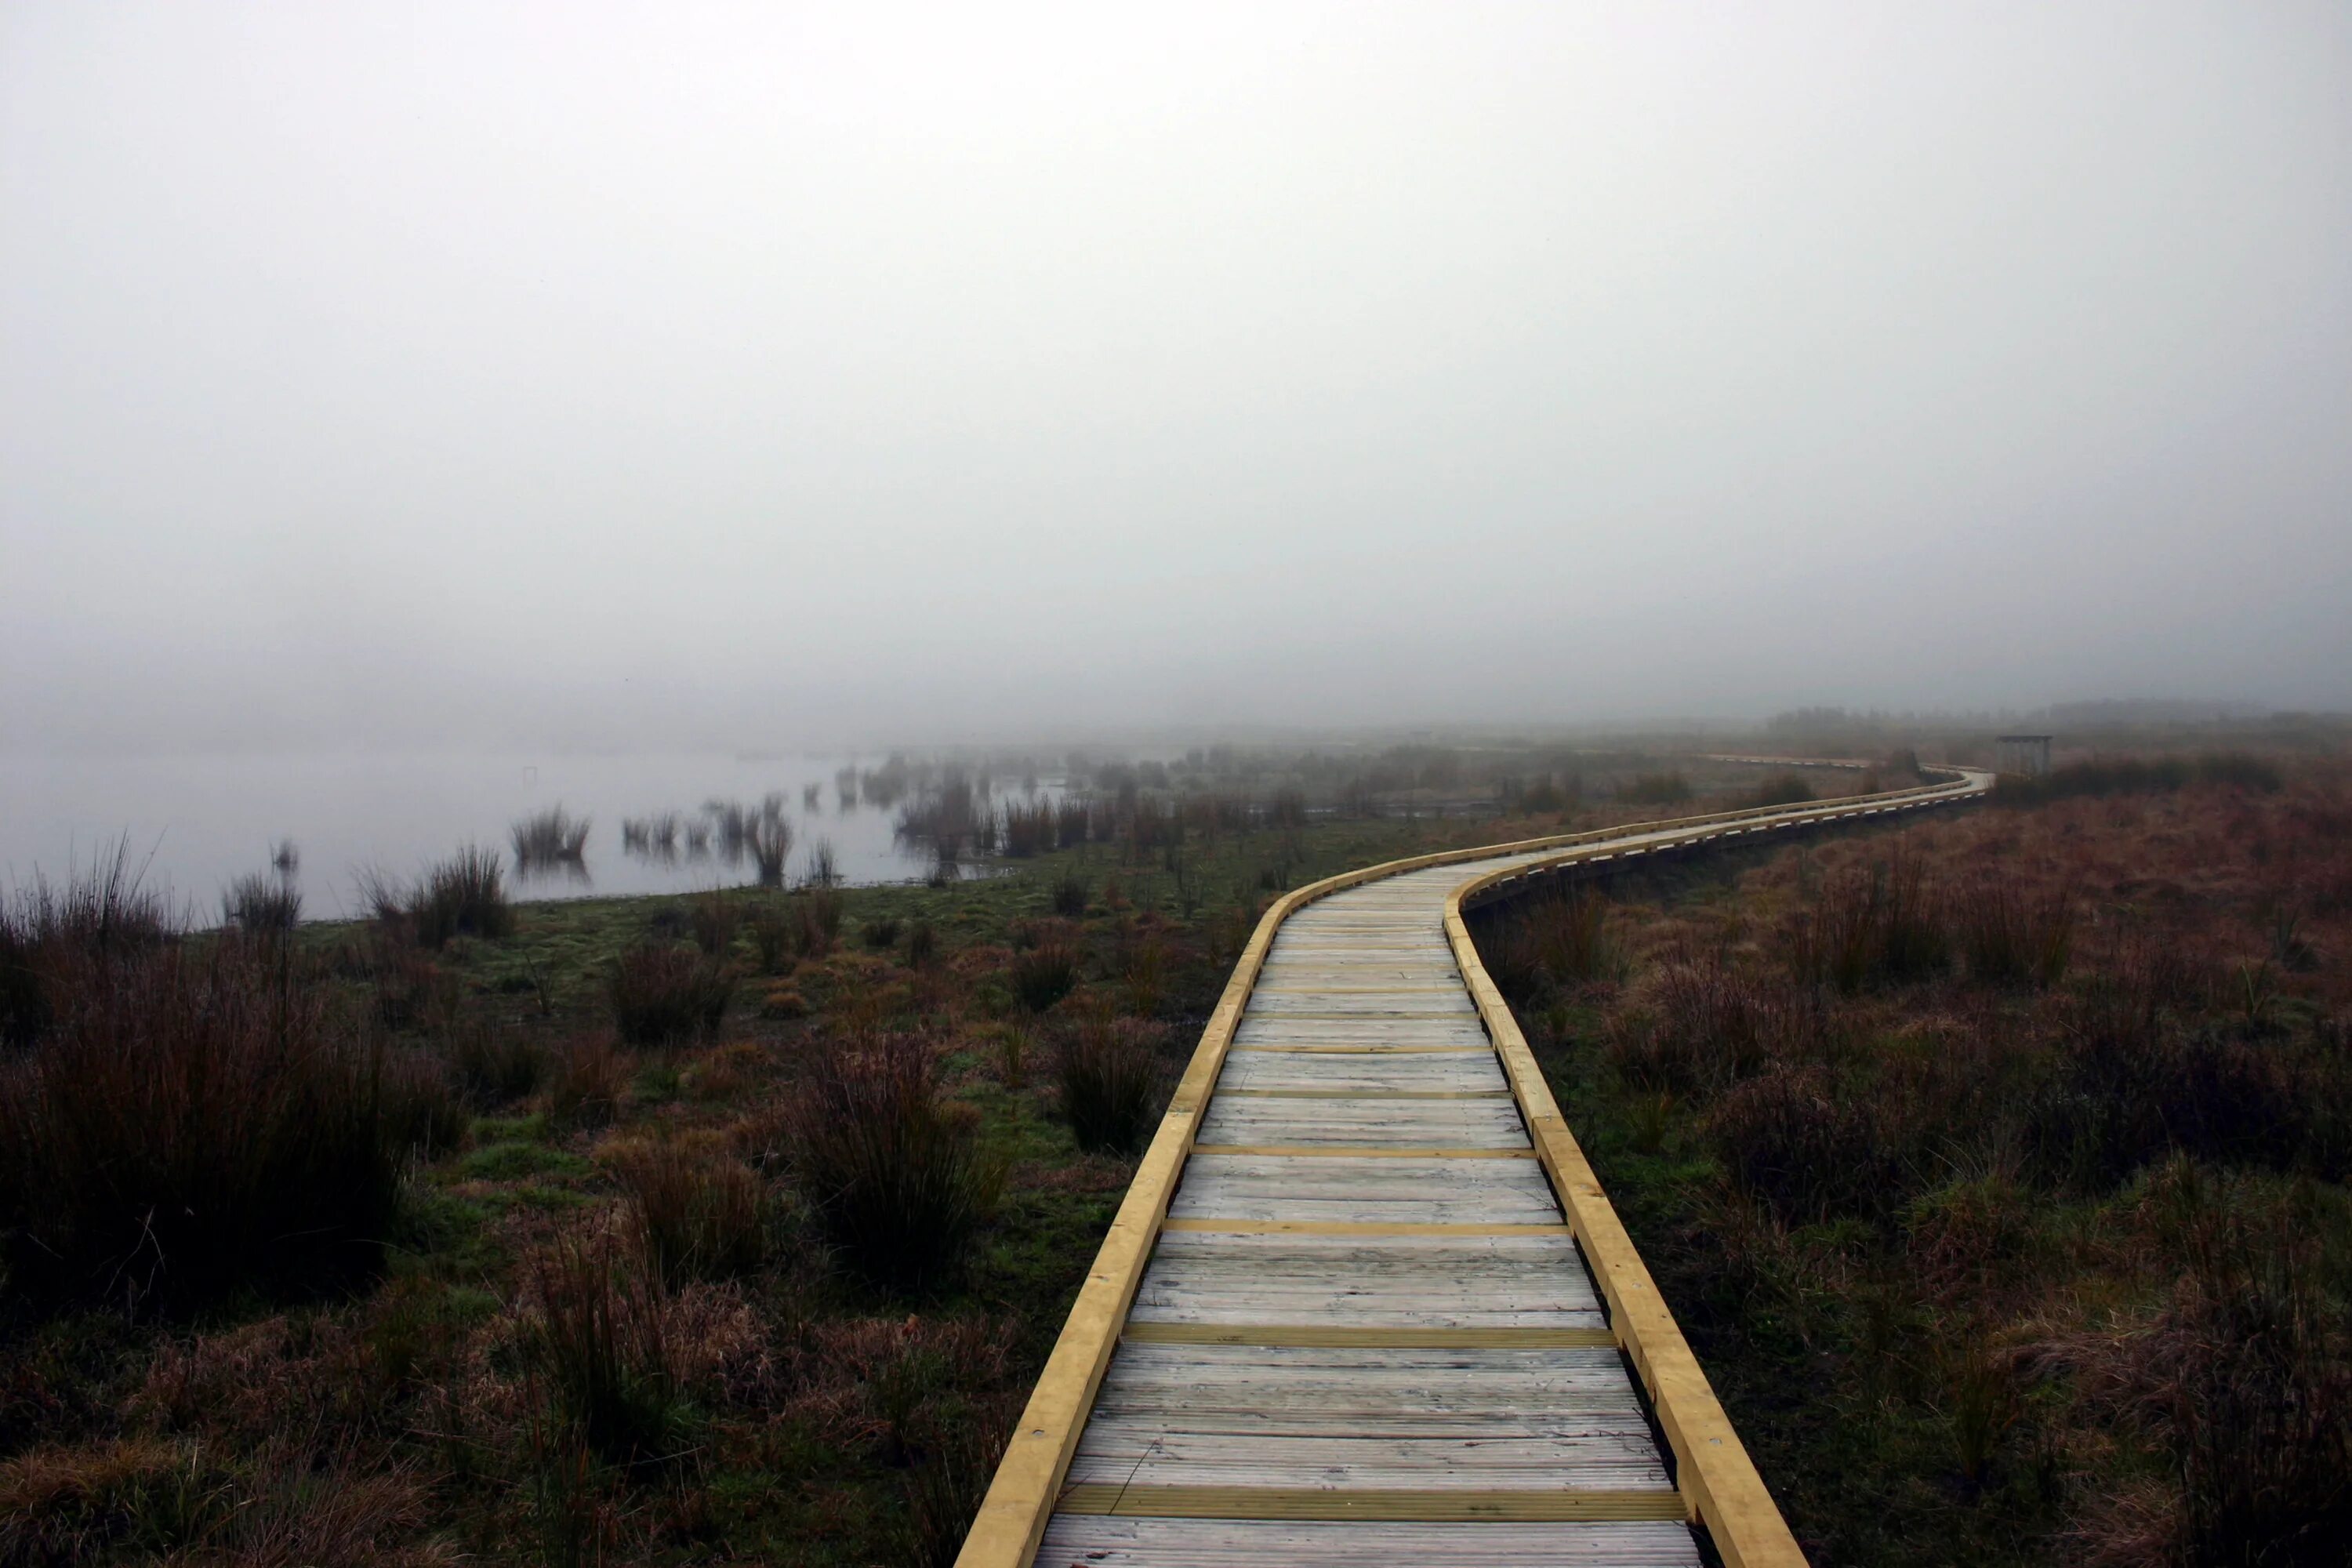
<point x="1020" y="1500"/>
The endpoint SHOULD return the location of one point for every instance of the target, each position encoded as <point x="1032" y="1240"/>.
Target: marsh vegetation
<point x="1997" y="1168"/>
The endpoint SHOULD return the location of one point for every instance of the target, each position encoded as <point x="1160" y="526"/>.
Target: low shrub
<point x="922" y="944"/>
<point x="895" y="1175"/>
<point x="1069" y="895"/>
<point x="1785" y="789"/>
<point x="881" y="932"/>
<point x="662" y="993"/>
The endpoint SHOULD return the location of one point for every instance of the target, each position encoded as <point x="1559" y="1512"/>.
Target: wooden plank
<point x="1362" y="1152"/>
<point x="1302" y="1503"/>
<point x="1351" y="1228"/>
<point x="1330" y="1335"/>
<point x="1106" y="1541"/>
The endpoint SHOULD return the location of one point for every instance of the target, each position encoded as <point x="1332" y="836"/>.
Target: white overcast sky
<point x="429" y="373"/>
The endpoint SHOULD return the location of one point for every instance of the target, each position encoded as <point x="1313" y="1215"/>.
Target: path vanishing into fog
<point x="1364" y="1302"/>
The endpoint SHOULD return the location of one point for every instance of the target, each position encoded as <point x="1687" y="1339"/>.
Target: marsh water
<point x="199" y="821"/>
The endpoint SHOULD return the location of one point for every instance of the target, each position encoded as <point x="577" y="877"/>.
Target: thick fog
<point x="422" y="373"/>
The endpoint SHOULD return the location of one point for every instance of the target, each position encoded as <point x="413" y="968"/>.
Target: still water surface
<point x="205" y="819"/>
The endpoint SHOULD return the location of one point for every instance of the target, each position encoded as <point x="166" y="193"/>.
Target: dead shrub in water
<point x="1044" y="974"/>
<point x="699" y="1212"/>
<point x="894" y="1173"/>
<point x="770" y="842"/>
<point x="663" y="994"/>
<point x="1111" y="1083"/>
<point x="551" y="837"/>
<point x="1790" y="1138"/>
<point x="194" y="1124"/>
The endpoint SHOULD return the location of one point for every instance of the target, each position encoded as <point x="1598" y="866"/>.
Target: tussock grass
<point x="262" y="902"/>
<point x="495" y="1064"/>
<point x="662" y="993"/>
<point x="714" y="918"/>
<point x="465" y="895"/>
<point x="57" y="937"/>
<point x="699" y="1212"/>
<point x="197" y="1123"/>
<point x="587" y="1079"/>
<point x="599" y="1342"/>
<point x="1044" y="974"/>
<point x="1111" y="1083"/>
<point x="894" y="1172"/>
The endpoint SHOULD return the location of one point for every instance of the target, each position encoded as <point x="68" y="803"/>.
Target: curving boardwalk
<point x="1364" y="1302"/>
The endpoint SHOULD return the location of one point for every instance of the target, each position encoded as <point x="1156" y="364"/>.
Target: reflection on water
<point x="571" y="824"/>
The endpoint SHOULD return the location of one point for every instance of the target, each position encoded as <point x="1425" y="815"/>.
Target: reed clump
<point x="1044" y="974"/>
<point x="699" y="1212"/>
<point x="662" y="993"/>
<point x="465" y="895"/>
<point x="549" y="838"/>
<point x="894" y="1171"/>
<point x="195" y="1123"/>
<point x="1111" y="1083"/>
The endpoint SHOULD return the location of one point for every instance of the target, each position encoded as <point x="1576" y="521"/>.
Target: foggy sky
<point x="429" y="373"/>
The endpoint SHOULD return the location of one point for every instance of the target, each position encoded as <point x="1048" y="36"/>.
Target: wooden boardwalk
<point x="1348" y="1314"/>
